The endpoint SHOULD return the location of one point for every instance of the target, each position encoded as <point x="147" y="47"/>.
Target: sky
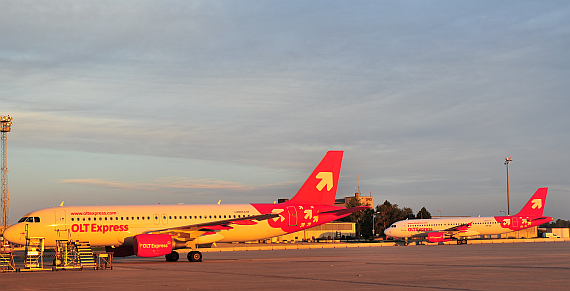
<point x="146" y="102"/>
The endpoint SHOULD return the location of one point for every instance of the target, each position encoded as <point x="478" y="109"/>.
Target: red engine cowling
<point x="437" y="237"/>
<point x="152" y="245"/>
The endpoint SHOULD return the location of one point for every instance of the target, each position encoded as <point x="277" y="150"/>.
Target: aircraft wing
<point x="458" y="228"/>
<point x="215" y="225"/>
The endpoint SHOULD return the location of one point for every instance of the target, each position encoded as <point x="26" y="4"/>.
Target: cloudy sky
<point x="145" y="102"/>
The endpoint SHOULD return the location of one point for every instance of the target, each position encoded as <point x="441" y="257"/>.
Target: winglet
<point x="535" y="205"/>
<point x="320" y="187"/>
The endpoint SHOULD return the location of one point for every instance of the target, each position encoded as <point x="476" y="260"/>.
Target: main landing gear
<point x="193" y="256"/>
<point x="461" y="241"/>
<point x="172" y="257"/>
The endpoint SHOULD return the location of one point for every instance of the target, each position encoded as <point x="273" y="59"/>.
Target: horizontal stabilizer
<point x="346" y="211"/>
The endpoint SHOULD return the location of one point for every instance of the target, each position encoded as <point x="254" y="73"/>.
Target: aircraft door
<point x="60" y="223"/>
<point x="164" y="218"/>
<point x="292" y="211"/>
<point x="404" y="226"/>
<point x="156" y="219"/>
<point x="515" y="221"/>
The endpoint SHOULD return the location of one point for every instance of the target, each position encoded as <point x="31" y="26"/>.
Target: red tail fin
<point x="320" y="187"/>
<point x="535" y="205"/>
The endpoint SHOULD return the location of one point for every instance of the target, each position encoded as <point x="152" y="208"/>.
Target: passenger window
<point x="105" y="218"/>
<point x="121" y="218"/>
<point x="72" y="219"/>
<point x="137" y="218"/>
<point x="89" y="218"/>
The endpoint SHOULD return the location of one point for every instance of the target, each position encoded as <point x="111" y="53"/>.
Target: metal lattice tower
<point x="5" y="127"/>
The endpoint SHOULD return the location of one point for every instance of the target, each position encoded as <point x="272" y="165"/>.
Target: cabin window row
<point x="450" y="224"/>
<point x="156" y="217"/>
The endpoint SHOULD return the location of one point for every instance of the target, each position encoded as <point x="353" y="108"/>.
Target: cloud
<point x="161" y="185"/>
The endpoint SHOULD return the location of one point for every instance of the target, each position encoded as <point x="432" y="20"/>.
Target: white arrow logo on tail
<point x="536" y="203"/>
<point x="326" y="179"/>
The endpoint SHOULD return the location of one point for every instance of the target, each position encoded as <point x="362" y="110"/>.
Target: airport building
<point x="364" y="200"/>
<point x="328" y="231"/>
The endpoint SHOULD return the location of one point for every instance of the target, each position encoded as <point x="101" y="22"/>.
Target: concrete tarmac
<point x="519" y="266"/>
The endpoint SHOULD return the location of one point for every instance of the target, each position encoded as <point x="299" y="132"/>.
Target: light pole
<point x="507" y="162"/>
<point x="373" y="225"/>
<point x="439" y="213"/>
<point x="503" y="212"/>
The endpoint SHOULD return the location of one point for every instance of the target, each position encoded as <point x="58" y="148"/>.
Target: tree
<point x="388" y="213"/>
<point x="423" y="214"/>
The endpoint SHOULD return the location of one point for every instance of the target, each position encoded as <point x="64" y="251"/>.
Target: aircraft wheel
<point x="458" y="241"/>
<point x="195" y="256"/>
<point x="464" y="241"/>
<point x="172" y="257"/>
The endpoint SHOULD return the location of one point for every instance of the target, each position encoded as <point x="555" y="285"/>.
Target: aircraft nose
<point x="14" y="235"/>
<point x="388" y="232"/>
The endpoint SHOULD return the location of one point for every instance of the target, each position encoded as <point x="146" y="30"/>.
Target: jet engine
<point x="152" y="245"/>
<point x="437" y="237"/>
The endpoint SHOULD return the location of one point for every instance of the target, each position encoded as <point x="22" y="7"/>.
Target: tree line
<point x="559" y="223"/>
<point x="385" y="214"/>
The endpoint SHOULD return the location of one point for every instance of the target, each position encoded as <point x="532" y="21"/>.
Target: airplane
<point x="446" y="229"/>
<point x="156" y="230"/>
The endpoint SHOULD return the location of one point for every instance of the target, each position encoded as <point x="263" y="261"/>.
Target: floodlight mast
<point x="507" y="162"/>
<point x="5" y="127"/>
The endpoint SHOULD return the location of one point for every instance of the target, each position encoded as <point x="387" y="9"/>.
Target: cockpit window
<point x="29" y="219"/>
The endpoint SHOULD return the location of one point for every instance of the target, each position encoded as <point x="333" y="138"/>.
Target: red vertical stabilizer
<point x="320" y="187"/>
<point x="535" y="205"/>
